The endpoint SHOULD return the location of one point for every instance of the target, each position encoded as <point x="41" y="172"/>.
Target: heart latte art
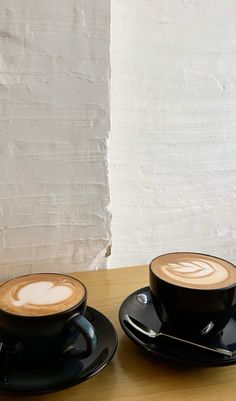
<point x="40" y="294"/>
<point x="194" y="270"/>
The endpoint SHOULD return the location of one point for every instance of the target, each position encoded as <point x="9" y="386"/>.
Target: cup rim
<point x="192" y="288"/>
<point x="51" y="315"/>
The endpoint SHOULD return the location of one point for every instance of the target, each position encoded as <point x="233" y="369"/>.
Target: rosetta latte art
<point x="196" y="272"/>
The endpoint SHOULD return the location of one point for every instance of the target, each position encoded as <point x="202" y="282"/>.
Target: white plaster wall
<point x="54" y="122"/>
<point x="173" y="140"/>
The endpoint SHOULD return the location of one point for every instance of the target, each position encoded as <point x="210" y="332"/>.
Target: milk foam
<point x="196" y="272"/>
<point x="42" y="293"/>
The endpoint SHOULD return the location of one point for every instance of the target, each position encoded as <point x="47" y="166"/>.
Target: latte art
<point x="194" y="270"/>
<point x="40" y="294"/>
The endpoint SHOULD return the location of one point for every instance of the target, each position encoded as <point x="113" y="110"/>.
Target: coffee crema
<point x="40" y="294"/>
<point x="193" y="270"/>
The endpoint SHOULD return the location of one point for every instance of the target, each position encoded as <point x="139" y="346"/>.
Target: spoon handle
<point x="152" y="334"/>
<point x="215" y="349"/>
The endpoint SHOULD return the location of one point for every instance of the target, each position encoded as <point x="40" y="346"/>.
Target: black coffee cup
<point x="188" y="300"/>
<point x="43" y="338"/>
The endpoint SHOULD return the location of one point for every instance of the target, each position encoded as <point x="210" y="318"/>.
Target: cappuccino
<point x="194" y="270"/>
<point x="40" y="294"/>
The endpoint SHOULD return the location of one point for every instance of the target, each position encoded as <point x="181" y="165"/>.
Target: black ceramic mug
<point x="194" y="294"/>
<point x="42" y="317"/>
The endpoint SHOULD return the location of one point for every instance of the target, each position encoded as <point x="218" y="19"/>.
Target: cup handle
<point x="80" y="323"/>
<point x="3" y="364"/>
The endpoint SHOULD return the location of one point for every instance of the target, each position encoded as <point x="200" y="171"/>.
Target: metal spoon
<point x="142" y="328"/>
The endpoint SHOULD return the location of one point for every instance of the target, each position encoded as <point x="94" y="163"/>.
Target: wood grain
<point x="133" y="374"/>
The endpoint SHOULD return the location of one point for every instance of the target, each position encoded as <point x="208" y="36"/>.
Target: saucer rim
<point x="80" y="378"/>
<point x="158" y="353"/>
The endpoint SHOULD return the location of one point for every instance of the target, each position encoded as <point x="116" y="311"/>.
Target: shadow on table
<point x="141" y="366"/>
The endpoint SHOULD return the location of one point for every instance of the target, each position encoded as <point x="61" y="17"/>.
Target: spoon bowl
<point x="142" y="328"/>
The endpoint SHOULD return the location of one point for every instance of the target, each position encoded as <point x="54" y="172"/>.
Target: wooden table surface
<point x="132" y="374"/>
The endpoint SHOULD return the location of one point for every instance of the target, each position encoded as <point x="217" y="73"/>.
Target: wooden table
<point x="133" y="375"/>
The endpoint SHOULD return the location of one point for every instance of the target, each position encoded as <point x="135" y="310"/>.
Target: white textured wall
<point x="54" y="122"/>
<point x="173" y="142"/>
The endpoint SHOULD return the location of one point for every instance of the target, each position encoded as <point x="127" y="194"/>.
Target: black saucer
<point x="66" y="371"/>
<point x="135" y="306"/>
